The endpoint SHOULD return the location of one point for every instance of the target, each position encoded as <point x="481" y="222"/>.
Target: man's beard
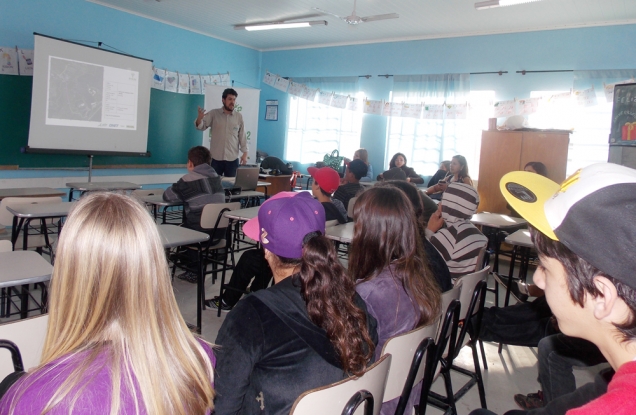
<point x="227" y="109"/>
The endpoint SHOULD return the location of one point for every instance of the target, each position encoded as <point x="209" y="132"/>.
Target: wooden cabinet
<point x="279" y="184"/>
<point x="506" y="151"/>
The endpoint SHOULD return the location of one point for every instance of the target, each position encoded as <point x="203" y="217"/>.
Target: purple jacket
<point x="95" y="395"/>
<point x="396" y="313"/>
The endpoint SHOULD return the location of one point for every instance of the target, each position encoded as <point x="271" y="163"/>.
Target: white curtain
<point x="314" y="129"/>
<point x="427" y="142"/>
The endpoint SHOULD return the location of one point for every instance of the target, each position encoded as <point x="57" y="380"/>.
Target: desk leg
<point x="25" y="234"/>
<point x="200" y="293"/>
<point x="24" y="301"/>
<point x="511" y="273"/>
<point x="15" y="230"/>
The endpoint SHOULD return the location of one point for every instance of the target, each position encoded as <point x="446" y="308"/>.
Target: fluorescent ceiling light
<point x="279" y="25"/>
<point x="489" y="4"/>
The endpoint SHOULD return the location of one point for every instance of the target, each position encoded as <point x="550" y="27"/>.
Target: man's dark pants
<point x="224" y="167"/>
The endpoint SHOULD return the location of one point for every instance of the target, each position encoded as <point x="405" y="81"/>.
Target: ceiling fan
<point x="354" y="19"/>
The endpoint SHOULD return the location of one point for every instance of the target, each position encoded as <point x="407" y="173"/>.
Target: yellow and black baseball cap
<point x="593" y="213"/>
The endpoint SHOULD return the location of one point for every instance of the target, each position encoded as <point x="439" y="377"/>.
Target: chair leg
<point x="480" y="380"/>
<point x="483" y="355"/>
<point x="450" y="396"/>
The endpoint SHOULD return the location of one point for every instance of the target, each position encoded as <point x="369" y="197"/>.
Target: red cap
<point x="327" y="178"/>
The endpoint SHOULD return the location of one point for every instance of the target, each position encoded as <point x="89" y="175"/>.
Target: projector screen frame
<point x="35" y="150"/>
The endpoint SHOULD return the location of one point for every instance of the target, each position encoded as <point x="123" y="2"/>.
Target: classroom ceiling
<point x="419" y="19"/>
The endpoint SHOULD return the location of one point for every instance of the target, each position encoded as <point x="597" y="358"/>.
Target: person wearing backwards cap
<point x="355" y="171"/>
<point x="309" y="330"/>
<point x="584" y="232"/>
<point x="326" y="181"/>
<point x="460" y="241"/>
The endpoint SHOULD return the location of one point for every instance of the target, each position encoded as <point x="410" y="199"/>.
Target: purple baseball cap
<point x="284" y="220"/>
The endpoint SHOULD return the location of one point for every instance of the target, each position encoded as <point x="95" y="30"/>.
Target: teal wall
<point x="607" y="47"/>
<point x="578" y="49"/>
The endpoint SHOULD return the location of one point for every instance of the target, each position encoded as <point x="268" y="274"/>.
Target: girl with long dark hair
<point x="309" y="330"/>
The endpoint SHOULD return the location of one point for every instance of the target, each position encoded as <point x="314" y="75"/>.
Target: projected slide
<point x="81" y="94"/>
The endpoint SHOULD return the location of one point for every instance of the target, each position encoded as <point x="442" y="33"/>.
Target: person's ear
<point x="604" y="303"/>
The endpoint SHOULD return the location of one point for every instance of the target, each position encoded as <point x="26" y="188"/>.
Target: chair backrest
<point x="331" y="399"/>
<point x="5" y="246"/>
<point x="402" y="348"/>
<point x="352" y="203"/>
<point x="212" y="215"/>
<point x="356" y="400"/>
<point x="447" y="298"/>
<point x="6" y="217"/>
<point x="480" y="258"/>
<point x="28" y="335"/>
<point x="330" y="223"/>
<point x="139" y="193"/>
<point x="467" y="283"/>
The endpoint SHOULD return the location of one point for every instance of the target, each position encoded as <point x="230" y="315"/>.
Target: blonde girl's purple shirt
<point x="94" y="398"/>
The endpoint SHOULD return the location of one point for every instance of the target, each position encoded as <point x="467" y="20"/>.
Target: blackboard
<point x="624" y="116"/>
<point x="171" y="130"/>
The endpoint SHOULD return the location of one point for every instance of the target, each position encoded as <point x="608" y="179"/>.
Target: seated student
<point x="309" y="330"/>
<point x="116" y="341"/>
<point x="362" y="154"/>
<point x="536" y="167"/>
<point x="196" y="189"/>
<point x="352" y="187"/>
<point x="583" y="231"/>
<point x="444" y="168"/>
<point x="458" y="174"/>
<point x="326" y="181"/>
<point x="460" y="241"/>
<point x="399" y="160"/>
<point x="436" y="262"/>
<point x="395" y="281"/>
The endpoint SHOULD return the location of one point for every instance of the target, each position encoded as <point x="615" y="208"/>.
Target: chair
<point x="139" y="193"/>
<point x="352" y="203"/>
<point x="331" y="399"/>
<point x="28" y="335"/>
<point x="472" y="297"/>
<point x="330" y="223"/>
<point x="356" y="400"/>
<point x="444" y="353"/>
<point x="411" y="357"/>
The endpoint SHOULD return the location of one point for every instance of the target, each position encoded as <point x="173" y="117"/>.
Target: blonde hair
<point x="111" y="297"/>
<point x="363" y="154"/>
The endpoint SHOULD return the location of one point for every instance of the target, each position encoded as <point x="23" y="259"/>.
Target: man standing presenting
<point x="227" y="135"/>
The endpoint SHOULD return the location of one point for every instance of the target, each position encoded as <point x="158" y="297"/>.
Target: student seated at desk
<point x="116" y="341"/>
<point x="459" y="241"/>
<point x="326" y="181"/>
<point x="352" y="187"/>
<point x="309" y="330"/>
<point x="458" y="174"/>
<point x="399" y="160"/>
<point x="363" y="154"/>
<point x="198" y="188"/>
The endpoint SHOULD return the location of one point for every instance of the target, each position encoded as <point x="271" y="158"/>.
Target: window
<point x="428" y="142"/>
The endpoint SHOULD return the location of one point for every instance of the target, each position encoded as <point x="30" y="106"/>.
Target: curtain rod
<point x="471" y="73"/>
<point x="523" y="72"/>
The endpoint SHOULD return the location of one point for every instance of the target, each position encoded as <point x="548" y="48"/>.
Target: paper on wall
<point x="411" y="110"/>
<point x="195" y="84"/>
<point x="504" y="108"/>
<point x="25" y="62"/>
<point x="353" y="104"/>
<point x="281" y="83"/>
<point x="269" y="78"/>
<point x="339" y="101"/>
<point x="586" y="97"/>
<point x="309" y="93"/>
<point x="8" y="61"/>
<point x="295" y="88"/>
<point x="324" y="98"/>
<point x="433" y="111"/>
<point x="225" y="79"/>
<point x="456" y="111"/>
<point x="205" y="80"/>
<point x="372" y="107"/>
<point x="158" y="78"/>
<point x="609" y="89"/>
<point x="386" y="109"/>
<point x="528" y="106"/>
<point x="172" y="81"/>
<point x="184" y="83"/>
